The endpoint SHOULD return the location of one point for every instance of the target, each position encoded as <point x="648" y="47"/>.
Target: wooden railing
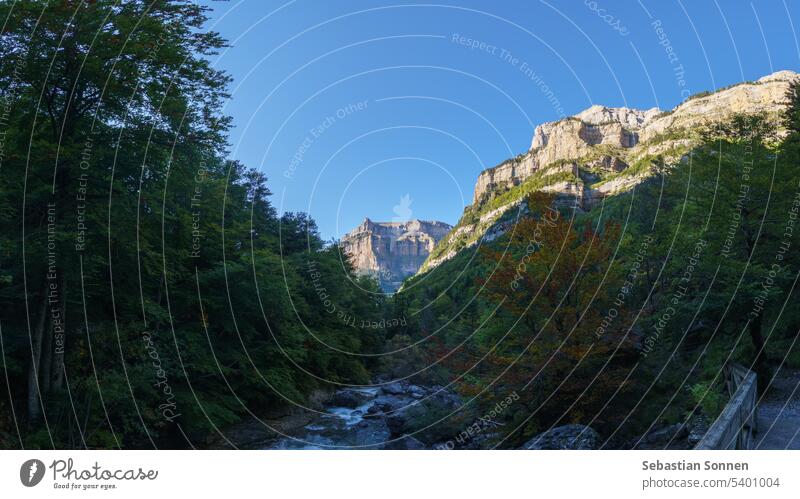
<point x="735" y="426"/>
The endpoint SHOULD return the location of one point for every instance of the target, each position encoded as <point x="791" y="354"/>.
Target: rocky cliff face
<point x="602" y="151"/>
<point x="392" y="251"/>
<point x="631" y="132"/>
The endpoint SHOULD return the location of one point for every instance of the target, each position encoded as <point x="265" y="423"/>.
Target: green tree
<point x="149" y="292"/>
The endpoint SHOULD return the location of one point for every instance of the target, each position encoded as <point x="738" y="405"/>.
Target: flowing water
<point x="356" y="418"/>
<point x="343" y="427"/>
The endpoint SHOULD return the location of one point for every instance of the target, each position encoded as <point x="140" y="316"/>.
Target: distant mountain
<point x="599" y="152"/>
<point x="392" y="251"/>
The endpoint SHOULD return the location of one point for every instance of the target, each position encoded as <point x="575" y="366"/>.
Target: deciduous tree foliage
<point x="559" y="282"/>
<point x="149" y="295"/>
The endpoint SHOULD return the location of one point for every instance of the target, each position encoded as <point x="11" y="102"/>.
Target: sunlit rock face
<point x="604" y="151"/>
<point x="623" y="128"/>
<point x="392" y="251"/>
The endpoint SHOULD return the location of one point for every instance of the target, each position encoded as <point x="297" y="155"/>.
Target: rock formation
<point x="602" y="151"/>
<point x="392" y="251"/>
<point x="578" y="136"/>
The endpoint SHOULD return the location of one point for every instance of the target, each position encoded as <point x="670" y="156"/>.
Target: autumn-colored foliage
<point x="560" y="284"/>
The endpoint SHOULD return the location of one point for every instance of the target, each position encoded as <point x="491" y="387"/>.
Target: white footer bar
<point x="399" y="474"/>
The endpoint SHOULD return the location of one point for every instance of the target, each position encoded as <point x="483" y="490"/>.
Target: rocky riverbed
<point x="397" y="415"/>
<point x="383" y="417"/>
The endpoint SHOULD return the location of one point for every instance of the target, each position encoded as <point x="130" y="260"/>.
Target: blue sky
<point x="348" y="106"/>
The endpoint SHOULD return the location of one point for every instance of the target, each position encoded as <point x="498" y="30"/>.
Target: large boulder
<point x="372" y="433"/>
<point x="571" y="437"/>
<point x="391" y="403"/>
<point x="395" y="388"/>
<point x="421" y="417"/>
<point x="399" y="422"/>
<point x="348" y="398"/>
<point x="416" y="391"/>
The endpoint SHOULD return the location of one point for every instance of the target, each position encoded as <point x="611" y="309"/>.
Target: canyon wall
<point x="578" y="136"/>
<point x="603" y="151"/>
<point x="392" y="251"/>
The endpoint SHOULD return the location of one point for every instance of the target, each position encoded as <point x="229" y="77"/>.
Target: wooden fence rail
<point x="734" y="427"/>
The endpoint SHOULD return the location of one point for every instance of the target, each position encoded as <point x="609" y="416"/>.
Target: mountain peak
<point x="602" y="151"/>
<point x="392" y="251"/>
<point x="783" y="75"/>
<point x="632" y="118"/>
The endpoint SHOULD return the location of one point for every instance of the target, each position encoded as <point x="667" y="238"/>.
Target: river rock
<point x="371" y="433"/>
<point x="396" y="388"/>
<point x="398" y="421"/>
<point x="410" y="417"/>
<point x="445" y="399"/>
<point x="407" y="419"/>
<point x="570" y="437"/>
<point x="391" y="403"/>
<point x="373" y="418"/>
<point x="348" y="398"/>
<point x="698" y="426"/>
<point x="416" y="391"/>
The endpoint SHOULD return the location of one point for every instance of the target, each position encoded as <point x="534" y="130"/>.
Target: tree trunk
<point x="60" y="336"/>
<point x="760" y="362"/>
<point x="34" y="398"/>
<point x="754" y="328"/>
<point x="47" y="359"/>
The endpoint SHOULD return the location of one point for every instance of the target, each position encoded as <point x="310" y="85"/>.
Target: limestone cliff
<point x="602" y="151"/>
<point x="392" y="251"/>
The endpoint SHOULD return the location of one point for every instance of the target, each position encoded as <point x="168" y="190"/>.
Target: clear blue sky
<point x="350" y="105"/>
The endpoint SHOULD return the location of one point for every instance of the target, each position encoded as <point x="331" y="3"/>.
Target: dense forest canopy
<point x="150" y="293"/>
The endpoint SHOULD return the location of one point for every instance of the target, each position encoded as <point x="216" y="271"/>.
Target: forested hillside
<point x="149" y="292"/>
<point x="622" y="317"/>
